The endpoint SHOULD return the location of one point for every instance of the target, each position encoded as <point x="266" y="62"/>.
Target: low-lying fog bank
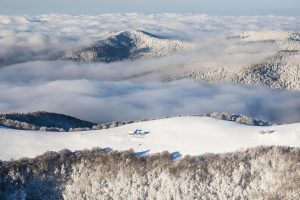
<point x="102" y="101"/>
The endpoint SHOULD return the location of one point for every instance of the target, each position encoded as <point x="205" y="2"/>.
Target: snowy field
<point x="179" y="135"/>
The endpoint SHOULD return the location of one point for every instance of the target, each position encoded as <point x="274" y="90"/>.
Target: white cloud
<point x="125" y="100"/>
<point x="132" y="90"/>
<point x="33" y="36"/>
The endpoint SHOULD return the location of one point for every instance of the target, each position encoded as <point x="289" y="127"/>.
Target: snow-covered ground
<point x="186" y="135"/>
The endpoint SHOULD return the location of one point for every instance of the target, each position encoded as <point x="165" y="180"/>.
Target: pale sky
<point x="211" y="7"/>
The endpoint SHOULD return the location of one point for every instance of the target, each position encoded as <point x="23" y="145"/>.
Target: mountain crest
<point x="128" y="45"/>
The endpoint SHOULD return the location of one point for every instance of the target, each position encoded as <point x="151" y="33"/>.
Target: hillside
<point x="128" y="45"/>
<point x="42" y="120"/>
<point x="279" y="70"/>
<point x="187" y="135"/>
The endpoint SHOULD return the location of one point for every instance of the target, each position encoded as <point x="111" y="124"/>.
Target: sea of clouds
<point x="31" y="77"/>
<point x="24" y="38"/>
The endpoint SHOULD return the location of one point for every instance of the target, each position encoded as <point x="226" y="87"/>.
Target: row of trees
<point x="45" y="121"/>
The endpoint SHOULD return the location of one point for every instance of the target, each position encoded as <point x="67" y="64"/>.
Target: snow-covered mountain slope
<point x="279" y="70"/>
<point x="187" y="135"/>
<point x="132" y="44"/>
<point x="268" y="58"/>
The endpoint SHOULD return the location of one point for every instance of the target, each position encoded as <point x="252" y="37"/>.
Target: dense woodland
<point x="257" y="173"/>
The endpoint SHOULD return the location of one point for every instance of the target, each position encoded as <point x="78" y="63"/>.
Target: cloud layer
<point x="132" y="90"/>
<point x="103" y="99"/>
<point x="40" y="37"/>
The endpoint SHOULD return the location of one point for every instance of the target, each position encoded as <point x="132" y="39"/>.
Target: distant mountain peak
<point x="136" y="34"/>
<point x="128" y="45"/>
<point x="269" y="35"/>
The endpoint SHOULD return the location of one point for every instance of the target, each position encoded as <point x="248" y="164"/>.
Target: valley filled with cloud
<point x="35" y="75"/>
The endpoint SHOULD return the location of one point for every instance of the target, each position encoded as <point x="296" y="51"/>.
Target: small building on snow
<point x="137" y="132"/>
